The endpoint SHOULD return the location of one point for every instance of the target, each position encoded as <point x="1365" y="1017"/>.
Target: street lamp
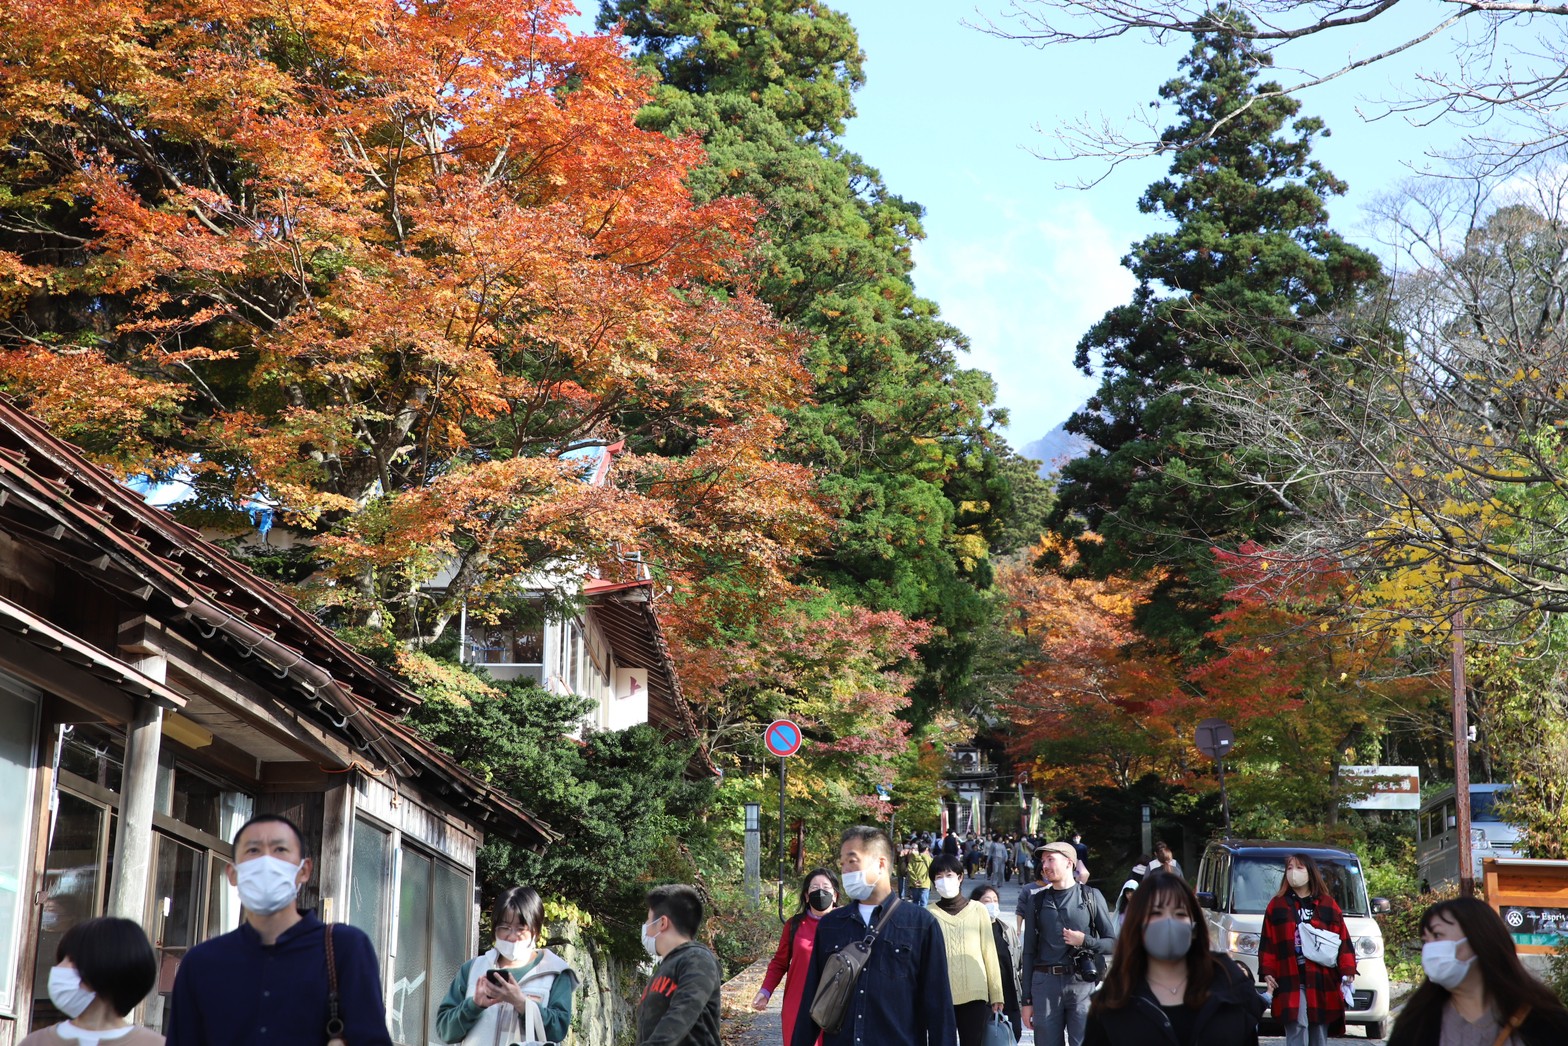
<point x="754" y="853"/>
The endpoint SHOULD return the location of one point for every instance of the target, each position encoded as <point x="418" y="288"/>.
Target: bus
<point x="1437" y="838"/>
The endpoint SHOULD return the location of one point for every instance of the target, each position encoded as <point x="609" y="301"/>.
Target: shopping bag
<point x="999" y="1032"/>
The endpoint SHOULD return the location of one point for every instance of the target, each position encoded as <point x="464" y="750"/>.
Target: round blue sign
<point x="782" y="738"/>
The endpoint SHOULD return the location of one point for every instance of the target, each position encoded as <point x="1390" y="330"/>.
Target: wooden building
<point x="153" y="695"/>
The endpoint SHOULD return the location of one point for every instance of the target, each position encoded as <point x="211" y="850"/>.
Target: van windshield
<point x="1255" y="881"/>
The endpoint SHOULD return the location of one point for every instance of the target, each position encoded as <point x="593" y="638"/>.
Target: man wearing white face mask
<point x="680" y="1006"/>
<point x="901" y="997"/>
<point x="1476" y="989"/>
<point x="268" y="982"/>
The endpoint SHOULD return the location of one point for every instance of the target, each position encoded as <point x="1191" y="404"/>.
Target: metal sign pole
<point x="783" y="776"/>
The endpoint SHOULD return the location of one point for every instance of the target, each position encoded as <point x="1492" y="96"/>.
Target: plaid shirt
<point x="1278" y="958"/>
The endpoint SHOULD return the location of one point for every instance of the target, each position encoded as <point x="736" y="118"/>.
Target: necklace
<point x="1173" y="990"/>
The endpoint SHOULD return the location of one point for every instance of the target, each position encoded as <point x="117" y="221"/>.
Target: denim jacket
<point x="903" y="998"/>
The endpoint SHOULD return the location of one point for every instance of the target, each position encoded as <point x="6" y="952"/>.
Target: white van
<point x="1236" y="880"/>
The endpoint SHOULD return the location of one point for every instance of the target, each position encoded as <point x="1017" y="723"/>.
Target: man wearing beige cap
<point x="1067" y="927"/>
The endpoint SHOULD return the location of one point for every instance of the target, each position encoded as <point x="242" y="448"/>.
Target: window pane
<point x="410" y="970"/>
<point x="369" y="874"/>
<point x="95" y="754"/>
<point x="179" y="883"/>
<point x="71" y="877"/>
<point x="223" y="900"/>
<point x="16" y="763"/>
<point x="452" y="916"/>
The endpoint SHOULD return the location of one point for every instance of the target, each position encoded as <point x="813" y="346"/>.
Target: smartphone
<point x="498" y="977"/>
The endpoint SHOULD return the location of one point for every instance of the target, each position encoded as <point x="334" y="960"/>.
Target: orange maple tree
<point x="1307" y="682"/>
<point x="1096" y="702"/>
<point x="386" y="266"/>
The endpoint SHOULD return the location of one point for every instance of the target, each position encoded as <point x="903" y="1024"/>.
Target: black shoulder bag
<point x="840" y="971"/>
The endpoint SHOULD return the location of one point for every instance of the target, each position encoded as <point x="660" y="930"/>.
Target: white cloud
<point x="1025" y="286"/>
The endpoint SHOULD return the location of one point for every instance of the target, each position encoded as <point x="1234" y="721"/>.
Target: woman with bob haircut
<point x="516" y="991"/>
<point x="818" y="895"/>
<point x="1165" y="987"/>
<point x="1476" y="989"/>
<point x="103" y="969"/>
<point x="1307" y="994"/>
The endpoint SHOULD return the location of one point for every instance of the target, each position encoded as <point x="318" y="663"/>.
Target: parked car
<point x="1437" y="834"/>
<point x="1237" y="879"/>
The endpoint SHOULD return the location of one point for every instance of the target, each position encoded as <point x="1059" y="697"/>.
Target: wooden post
<point x="1461" y="749"/>
<point x="133" y="842"/>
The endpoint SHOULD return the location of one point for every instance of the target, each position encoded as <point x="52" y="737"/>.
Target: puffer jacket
<point x="1229" y="1017"/>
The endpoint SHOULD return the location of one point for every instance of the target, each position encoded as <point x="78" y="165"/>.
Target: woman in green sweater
<point x="973" y="970"/>
<point x="516" y="992"/>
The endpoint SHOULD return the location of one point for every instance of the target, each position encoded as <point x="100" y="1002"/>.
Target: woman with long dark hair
<point x="1307" y="993"/>
<point x="1165" y="987"/>
<point x="818" y="895"/>
<point x="1008" y="953"/>
<point x="1476" y="987"/>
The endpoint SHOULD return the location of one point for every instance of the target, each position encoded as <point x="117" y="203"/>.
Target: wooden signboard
<point x="1532" y="898"/>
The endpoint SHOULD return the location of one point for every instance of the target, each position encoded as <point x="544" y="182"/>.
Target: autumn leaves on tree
<point x="387" y="266"/>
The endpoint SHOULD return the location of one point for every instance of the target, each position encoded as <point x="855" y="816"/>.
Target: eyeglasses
<point x="510" y="931"/>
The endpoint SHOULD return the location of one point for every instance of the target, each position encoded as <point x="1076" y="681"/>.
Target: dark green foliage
<point x="619" y="800"/>
<point x="798" y="59"/>
<point x="1229" y="290"/>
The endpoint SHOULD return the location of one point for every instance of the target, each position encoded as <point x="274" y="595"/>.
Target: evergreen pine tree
<point x="1250" y="261"/>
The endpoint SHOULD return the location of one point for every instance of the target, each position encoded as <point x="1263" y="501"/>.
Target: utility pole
<point x="1461" y="748"/>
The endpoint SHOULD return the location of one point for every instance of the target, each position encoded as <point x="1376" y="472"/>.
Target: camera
<point x="1086" y="966"/>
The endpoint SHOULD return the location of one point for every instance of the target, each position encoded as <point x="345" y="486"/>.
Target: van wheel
<point x="1378" y="1030"/>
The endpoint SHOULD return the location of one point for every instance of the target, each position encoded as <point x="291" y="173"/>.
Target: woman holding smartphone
<point x="516" y="991"/>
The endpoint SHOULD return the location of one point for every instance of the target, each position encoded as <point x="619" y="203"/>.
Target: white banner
<point x="1385" y="787"/>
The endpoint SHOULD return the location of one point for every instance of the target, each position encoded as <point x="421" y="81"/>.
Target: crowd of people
<point x="869" y="957"/>
<point x="948" y="969"/>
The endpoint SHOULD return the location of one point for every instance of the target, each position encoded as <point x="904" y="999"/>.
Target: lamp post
<point x="754" y="853"/>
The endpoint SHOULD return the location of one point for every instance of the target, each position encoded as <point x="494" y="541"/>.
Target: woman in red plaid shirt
<point x="1307" y="997"/>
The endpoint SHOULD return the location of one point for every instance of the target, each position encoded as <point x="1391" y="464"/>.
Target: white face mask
<point x="857" y="886"/>
<point x="506" y="949"/>
<point x="947" y="886"/>
<point x="67" y="993"/>
<point x="993" y="909"/>
<point x="1442" y="965"/>
<point x="1296" y="877"/>
<point x="266" y="884"/>
<point x="650" y="942"/>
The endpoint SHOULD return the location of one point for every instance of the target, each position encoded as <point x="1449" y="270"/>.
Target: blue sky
<point x="949" y="115"/>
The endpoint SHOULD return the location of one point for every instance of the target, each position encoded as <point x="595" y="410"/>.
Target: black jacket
<point x="1229" y="1017"/>
<point x="681" y="1004"/>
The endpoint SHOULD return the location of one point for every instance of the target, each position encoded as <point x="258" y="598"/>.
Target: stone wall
<point x="604" y="1014"/>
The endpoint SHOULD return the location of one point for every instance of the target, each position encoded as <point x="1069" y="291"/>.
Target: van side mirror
<point x="1382" y="906"/>
<point x="1206" y="899"/>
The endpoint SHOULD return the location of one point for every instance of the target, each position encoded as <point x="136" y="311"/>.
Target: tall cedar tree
<point x="1250" y="261"/>
<point x="898" y="430"/>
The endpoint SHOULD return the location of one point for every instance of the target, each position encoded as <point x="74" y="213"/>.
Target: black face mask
<point x="821" y="900"/>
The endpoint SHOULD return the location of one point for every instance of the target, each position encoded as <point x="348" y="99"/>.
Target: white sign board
<point x="1386" y="787"/>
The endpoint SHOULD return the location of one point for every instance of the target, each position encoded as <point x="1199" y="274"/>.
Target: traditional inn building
<point x="154" y="694"/>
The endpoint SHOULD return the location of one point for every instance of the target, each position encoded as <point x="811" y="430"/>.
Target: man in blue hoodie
<point x="266" y="983"/>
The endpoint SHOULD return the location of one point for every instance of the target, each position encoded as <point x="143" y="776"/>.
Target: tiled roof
<point x="72" y="511"/>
